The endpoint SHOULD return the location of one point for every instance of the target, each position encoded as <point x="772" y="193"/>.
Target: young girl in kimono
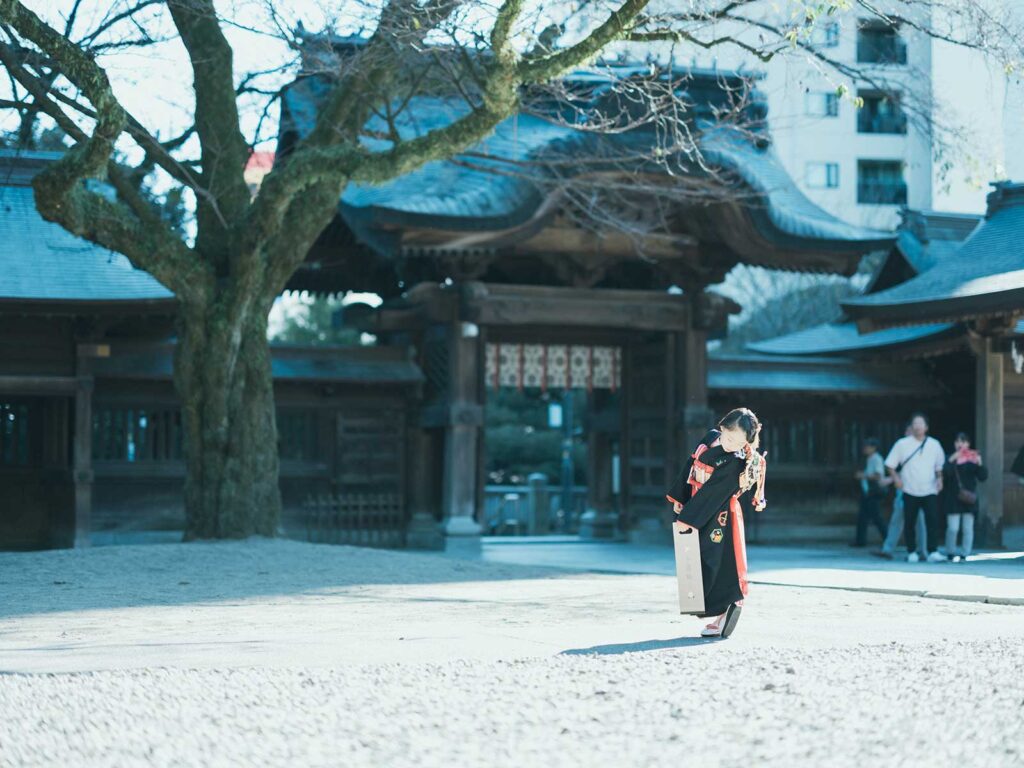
<point x="724" y="475"/>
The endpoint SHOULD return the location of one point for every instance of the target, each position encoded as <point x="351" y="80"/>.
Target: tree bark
<point x="245" y="251"/>
<point x="223" y="377"/>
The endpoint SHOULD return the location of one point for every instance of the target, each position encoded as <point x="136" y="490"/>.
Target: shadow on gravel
<point x="207" y="571"/>
<point x="642" y="646"/>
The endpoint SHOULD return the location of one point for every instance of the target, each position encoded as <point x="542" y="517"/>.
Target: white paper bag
<point x="688" y="573"/>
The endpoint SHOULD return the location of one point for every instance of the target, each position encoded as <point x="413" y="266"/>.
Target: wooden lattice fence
<point x="359" y="519"/>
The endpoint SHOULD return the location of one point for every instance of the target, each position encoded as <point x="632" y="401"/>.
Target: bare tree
<point x="240" y="251"/>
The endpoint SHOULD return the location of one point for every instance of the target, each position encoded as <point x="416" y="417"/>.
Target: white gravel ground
<point x="275" y="653"/>
<point x="955" y="704"/>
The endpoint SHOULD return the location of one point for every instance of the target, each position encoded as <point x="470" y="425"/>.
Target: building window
<point x="822" y="103"/>
<point x="14" y="423"/>
<point x="296" y="434"/>
<point x="880" y="182"/>
<point x="124" y="433"/>
<point x="880" y="112"/>
<point x="880" y="43"/>
<point x="822" y="175"/>
<point x="825" y="35"/>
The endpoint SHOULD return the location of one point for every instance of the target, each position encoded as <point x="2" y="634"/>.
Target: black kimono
<point x="711" y="511"/>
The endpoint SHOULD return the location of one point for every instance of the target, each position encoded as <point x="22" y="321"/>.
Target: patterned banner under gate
<point x="553" y="366"/>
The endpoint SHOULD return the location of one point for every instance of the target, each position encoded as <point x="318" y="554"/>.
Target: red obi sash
<point x="699" y="474"/>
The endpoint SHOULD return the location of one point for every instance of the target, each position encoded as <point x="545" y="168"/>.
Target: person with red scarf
<point x="706" y="496"/>
<point x="964" y="471"/>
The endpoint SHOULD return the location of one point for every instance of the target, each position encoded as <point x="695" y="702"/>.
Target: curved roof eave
<point x="876" y="316"/>
<point x="843" y="338"/>
<point x="983" y="277"/>
<point x="786" y="209"/>
<point x="487" y="188"/>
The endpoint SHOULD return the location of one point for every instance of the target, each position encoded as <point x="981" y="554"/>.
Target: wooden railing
<point x="358" y="519"/>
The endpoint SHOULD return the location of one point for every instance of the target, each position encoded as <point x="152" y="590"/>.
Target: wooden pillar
<point x="833" y="434"/>
<point x="82" y="460"/>
<point x="676" y="437"/>
<point x="688" y="416"/>
<point x="424" y="530"/>
<point x="988" y="421"/>
<point x="600" y="520"/>
<point x="697" y="417"/>
<point x="462" y="432"/>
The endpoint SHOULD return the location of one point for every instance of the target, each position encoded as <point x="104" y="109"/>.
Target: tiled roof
<point x="817" y="375"/>
<point x="41" y="261"/>
<point x="838" y="338"/>
<point x="924" y="239"/>
<point x="984" y="276"/>
<point x="490" y="187"/>
<point x="788" y="209"/>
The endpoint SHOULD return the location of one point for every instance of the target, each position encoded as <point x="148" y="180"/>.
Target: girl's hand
<point x="677" y="507"/>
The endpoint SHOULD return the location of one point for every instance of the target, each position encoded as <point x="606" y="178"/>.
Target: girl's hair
<point x="963" y="436"/>
<point x="742" y="418"/>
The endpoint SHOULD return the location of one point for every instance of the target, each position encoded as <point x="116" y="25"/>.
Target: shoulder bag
<point x="902" y="464"/>
<point x="964" y="496"/>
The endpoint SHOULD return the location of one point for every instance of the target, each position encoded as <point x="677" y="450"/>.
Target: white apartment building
<point x="862" y="164"/>
<point x="977" y="95"/>
<point x="861" y="149"/>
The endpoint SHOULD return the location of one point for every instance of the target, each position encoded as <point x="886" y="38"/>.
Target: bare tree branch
<point x="60" y="197"/>
<point x="111" y="21"/>
<point x="223" y="148"/>
<point x="614" y="28"/>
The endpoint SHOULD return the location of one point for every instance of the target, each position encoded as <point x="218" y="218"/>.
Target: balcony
<point x="880" y="45"/>
<point x="881" y="123"/>
<point x="882" y="192"/>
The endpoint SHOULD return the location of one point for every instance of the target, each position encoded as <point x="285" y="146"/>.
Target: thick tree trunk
<point x="223" y="376"/>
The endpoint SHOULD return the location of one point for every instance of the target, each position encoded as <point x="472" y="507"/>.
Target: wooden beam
<point x="591" y="308"/>
<point x="38" y="385"/>
<point x="613" y="243"/>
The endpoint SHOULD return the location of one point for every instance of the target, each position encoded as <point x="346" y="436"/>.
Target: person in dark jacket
<point x="707" y="496"/>
<point x="964" y="471"/>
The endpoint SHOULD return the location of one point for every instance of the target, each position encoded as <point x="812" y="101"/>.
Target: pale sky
<point x="154" y="83"/>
